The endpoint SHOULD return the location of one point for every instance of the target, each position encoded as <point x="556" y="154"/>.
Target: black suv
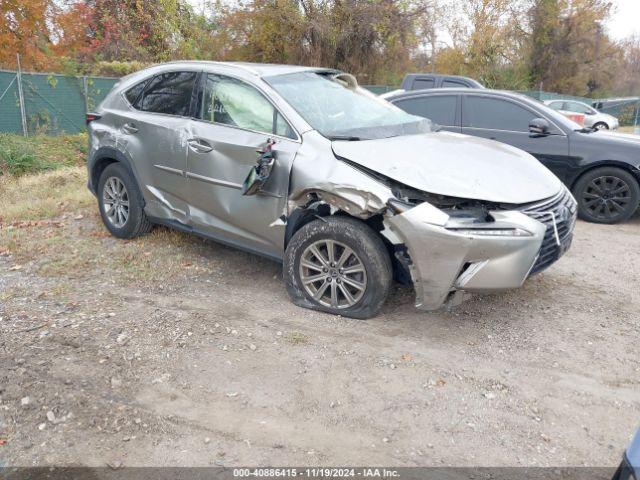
<point x="602" y="169"/>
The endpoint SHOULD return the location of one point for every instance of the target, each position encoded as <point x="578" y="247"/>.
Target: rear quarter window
<point x="134" y="92"/>
<point x="423" y="83"/>
<point x="168" y="93"/>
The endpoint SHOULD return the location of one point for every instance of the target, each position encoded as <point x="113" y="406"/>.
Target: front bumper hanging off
<point x="446" y="260"/>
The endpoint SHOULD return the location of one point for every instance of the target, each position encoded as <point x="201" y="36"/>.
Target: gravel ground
<point x="109" y="354"/>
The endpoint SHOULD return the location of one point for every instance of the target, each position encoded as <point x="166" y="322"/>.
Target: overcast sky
<point x="624" y="21"/>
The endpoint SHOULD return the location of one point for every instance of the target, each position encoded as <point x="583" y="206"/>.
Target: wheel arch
<point x="606" y="164"/>
<point x="101" y="159"/>
<point x="322" y="204"/>
<point x="316" y="208"/>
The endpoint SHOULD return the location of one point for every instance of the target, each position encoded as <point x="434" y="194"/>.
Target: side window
<point x="453" y="84"/>
<point x="423" y="83"/>
<point x="556" y="105"/>
<point x="232" y="102"/>
<point x="168" y="93"/>
<point x="495" y="114"/>
<point x="577" y="107"/>
<point x="134" y="92"/>
<point x="440" y="109"/>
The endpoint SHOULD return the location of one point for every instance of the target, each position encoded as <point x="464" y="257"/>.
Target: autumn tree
<point x="570" y="50"/>
<point x="27" y="28"/>
<point x="628" y="81"/>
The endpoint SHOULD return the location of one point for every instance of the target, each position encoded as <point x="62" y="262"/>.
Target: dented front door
<point x="223" y="147"/>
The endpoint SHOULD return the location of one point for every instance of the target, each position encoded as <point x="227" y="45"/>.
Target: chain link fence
<point x="56" y="103"/>
<point x="53" y="103"/>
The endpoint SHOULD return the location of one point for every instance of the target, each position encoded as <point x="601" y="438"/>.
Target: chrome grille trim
<point x="559" y="214"/>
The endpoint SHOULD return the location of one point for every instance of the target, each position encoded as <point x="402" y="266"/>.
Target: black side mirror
<point x="538" y="127"/>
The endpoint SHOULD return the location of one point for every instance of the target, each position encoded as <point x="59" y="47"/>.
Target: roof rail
<point x="224" y="64"/>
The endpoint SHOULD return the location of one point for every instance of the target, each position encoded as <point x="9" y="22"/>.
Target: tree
<point x="627" y="81"/>
<point x="545" y="28"/>
<point x="570" y="50"/>
<point x="26" y="28"/>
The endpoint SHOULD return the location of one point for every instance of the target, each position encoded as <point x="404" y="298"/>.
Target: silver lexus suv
<point x="304" y="166"/>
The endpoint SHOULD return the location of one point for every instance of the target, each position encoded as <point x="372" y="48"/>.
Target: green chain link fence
<point x="53" y="103"/>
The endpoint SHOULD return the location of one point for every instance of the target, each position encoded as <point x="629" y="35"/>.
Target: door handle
<point x="199" y="146"/>
<point x="130" y="128"/>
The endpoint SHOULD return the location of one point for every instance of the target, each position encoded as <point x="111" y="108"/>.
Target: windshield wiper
<point x="348" y="138"/>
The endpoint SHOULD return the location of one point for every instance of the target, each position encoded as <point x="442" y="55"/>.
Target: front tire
<point x="121" y="203"/>
<point x="607" y="195"/>
<point x="338" y="265"/>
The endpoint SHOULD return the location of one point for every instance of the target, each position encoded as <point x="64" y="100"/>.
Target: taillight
<point x="91" y="117"/>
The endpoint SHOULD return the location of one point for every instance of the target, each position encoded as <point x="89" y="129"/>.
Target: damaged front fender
<point x="334" y="183"/>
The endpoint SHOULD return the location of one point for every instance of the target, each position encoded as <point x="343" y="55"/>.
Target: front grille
<point x="564" y="208"/>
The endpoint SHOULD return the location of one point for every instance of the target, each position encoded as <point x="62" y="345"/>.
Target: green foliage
<point x="21" y="156"/>
<point x="514" y="44"/>
<point x="116" y="68"/>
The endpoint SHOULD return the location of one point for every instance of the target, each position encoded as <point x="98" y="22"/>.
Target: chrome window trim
<point x="513" y="131"/>
<point x="515" y="101"/>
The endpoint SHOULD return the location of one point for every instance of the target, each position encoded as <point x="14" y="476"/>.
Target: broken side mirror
<point x="259" y="174"/>
<point x="538" y="127"/>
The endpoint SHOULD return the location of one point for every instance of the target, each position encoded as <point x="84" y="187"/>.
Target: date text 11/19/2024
<point x="315" y="473"/>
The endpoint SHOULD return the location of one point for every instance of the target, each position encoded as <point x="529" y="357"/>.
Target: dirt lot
<point x="171" y="350"/>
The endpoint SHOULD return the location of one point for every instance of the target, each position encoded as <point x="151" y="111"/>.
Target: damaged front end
<point x="448" y="245"/>
<point x="460" y="245"/>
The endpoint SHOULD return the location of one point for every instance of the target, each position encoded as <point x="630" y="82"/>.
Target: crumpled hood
<point x="455" y="165"/>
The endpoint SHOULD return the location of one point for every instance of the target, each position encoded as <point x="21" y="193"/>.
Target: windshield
<point x="342" y="113"/>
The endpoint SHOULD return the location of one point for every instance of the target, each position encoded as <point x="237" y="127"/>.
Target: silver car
<point x="592" y="117"/>
<point x="303" y="166"/>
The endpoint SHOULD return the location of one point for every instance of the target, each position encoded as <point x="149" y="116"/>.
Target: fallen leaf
<point x="406" y="357"/>
<point x="15" y="267"/>
<point x="3" y="441"/>
<point x="440" y="382"/>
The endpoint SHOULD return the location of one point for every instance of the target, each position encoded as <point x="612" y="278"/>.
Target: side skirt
<point x="189" y="229"/>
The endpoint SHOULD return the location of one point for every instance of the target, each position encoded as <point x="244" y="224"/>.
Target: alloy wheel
<point x="607" y="197"/>
<point x="332" y="274"/>
<point x="115" y="199"/>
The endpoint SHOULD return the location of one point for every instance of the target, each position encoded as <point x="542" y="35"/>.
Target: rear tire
<point x="338" y="265"/>
<point x="121" y="203"/>
<point x="601" y="126"/>
<point x="607" y="195"/>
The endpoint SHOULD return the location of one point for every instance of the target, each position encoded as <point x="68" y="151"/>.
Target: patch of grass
<point x="44" y="195"/>
<point x="41" y="153"/>
<point x="297" y="338"/>
<point x="50" y="225"/>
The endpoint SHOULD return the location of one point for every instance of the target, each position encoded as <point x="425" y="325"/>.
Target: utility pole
<point x="21" y="98"/>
